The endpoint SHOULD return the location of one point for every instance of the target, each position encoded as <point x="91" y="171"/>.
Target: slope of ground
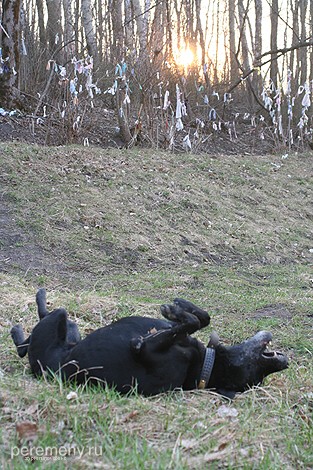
<point x="119" y="211"/>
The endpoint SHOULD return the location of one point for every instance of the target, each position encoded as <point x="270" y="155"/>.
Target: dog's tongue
<point x="214" y="340"/>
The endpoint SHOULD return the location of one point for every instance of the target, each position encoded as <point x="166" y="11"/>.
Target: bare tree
<point x="10" y="41"/>
<point x="303" y="4"/>
<point x="311" y="33"/>
<point x="257" y="41"/>
<point x="141" y="29"/>
<point x="41" y="24"/>
<point x="87" y="20"/>
<point x="117" y="31"/>
<point x="69" y="33"/>
<point x="199" y="30"/>
<point x="274" y="31"/>
<point x="129" y="36"/>
<point x="232" y="41"/>
<point x="54" y="27"/>
<point x="157" y="31"/>
<point x="243" y="42"/>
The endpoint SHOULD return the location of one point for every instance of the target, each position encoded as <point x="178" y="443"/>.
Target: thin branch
<point x="284" y="50"/>
<point x="141" y="14"/>
<point x="279" y="52"/>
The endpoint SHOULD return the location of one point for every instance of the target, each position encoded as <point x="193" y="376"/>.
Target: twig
<point x="45" y="90"/>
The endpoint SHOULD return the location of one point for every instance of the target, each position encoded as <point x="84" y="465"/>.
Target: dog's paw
<point x="17" y="334"/>
<point x="171" y="312"/>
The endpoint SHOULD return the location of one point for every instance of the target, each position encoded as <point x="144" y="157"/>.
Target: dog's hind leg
<point x="19" y="340"/>
<point x="41" y="300"/>
<point x="187" y="306"/>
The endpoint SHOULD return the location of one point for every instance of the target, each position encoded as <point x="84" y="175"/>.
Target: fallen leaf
<point x="222" y="445"/>
<point x="26" y="431"/>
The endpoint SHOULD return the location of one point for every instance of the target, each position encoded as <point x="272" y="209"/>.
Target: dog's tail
<point x="41" y="301"/>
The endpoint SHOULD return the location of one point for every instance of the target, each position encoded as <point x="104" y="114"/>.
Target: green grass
<point x="112" y="233"/>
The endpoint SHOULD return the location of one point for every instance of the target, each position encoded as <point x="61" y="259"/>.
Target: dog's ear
<point x="214" y="340"/>
<point x="61" y="324"/>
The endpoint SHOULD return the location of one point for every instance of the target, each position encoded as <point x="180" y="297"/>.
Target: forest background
<point x="229" y="76"/>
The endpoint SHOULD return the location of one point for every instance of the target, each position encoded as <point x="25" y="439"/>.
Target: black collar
<point x="207" y="367"/>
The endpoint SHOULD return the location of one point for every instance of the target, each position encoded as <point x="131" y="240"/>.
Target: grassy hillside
<point x="111" y="233"/>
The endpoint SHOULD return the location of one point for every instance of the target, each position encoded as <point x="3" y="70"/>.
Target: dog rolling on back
<point x="147" y="354"/>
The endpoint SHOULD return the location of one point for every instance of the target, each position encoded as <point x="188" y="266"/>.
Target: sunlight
<point x="184" y="57"/>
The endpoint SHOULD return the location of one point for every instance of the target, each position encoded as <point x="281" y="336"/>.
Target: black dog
<point x="149" y="355"/>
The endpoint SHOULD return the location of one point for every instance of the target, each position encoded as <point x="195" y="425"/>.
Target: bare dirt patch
<point x="273" y="311"/>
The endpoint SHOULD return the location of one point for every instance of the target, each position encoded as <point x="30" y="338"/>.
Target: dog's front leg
<point x="182" y="324"/>
<point x="189" y="307"/>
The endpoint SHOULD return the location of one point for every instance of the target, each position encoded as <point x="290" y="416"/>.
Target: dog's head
<point x="239" y="367"/>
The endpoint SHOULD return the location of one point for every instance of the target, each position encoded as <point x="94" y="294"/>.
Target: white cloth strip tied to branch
<point x="306" y="101"/>
<point x="24" y="50"/>
<point x="167" y="102"/>
<point x="180" y="110"/>
<point x="187" y="143"/>
<point x="178" y="103"/>
<point x="179" y="124"/>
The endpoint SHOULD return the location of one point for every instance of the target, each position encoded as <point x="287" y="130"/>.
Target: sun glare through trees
<point x="175" y="74"/>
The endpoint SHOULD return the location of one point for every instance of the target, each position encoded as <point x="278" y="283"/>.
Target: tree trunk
<point x="303" y="4"/>
<point x="295" y="39"/>
<point x="169" y="38"/>
<point x="243" y="13"/>
<point x="141" y="31"/>
<point x="41" y="24"/>
<point x="199" y="30"/>
<point x="90" y="34"/>
<point x="311" y="33"/>
<point x="54" y="27"/>
<point x="274" y="30"/>
<point x="10" y="40"/>
<point x="117" y="30"/>
<point x="257" y="80"/>
<point x="157" y="32"/>
<point x="232" y="41"/>
<point x="129" y="38"/>
<point x="100" y="30"/>
<point x="69" y="33"/>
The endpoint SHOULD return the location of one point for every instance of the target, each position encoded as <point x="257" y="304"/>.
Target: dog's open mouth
<point x="276" y="357"/>
<point x="271" y="354"/>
